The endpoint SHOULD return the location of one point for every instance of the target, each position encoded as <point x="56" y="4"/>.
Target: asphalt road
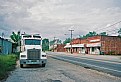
<point x="58" y="71"/>
<point x="113" y="68"/>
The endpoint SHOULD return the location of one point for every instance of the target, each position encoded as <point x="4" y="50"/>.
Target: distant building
<point x="5" y="46"/>
<point x="59" y="48"/>
<point x="96" y="45"/>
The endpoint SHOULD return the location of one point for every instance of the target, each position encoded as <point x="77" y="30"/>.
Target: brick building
<point x="96" y="45"/>
<point x="59" y="48"/>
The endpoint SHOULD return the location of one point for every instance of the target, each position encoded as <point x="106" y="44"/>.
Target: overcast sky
<point x="53" y="18"/>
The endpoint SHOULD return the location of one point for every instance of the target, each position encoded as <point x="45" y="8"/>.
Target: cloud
<point x="55" y="17"/>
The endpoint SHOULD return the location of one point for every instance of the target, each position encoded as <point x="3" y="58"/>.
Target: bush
<point x="7" y="63"/>
<point x="111" y="53"/>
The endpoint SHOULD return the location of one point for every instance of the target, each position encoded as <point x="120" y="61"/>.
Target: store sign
<point x="74" y="45"/>
<point x="95" y="40"/>
<point x="94" y="45"/>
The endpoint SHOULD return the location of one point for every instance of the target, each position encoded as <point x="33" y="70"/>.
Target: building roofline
<point x="5" y="39"/>
<point x="100" y="36"/>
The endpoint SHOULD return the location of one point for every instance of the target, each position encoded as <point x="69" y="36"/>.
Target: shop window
<point x="76" y="49"/>
<point x="98" y="48"/>
<point x="93" y="49"/>
<point x="82" y="49"/>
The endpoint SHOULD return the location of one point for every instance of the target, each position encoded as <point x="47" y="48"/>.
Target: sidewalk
<point x="97" y="57"/>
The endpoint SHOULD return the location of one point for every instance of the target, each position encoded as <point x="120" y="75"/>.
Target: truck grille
<point x="33" y="54"/>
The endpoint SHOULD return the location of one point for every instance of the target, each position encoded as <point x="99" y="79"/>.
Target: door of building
<point x="87" y="50"/>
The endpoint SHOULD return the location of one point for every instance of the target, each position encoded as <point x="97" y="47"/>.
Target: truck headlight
<point x="23" y="55"/>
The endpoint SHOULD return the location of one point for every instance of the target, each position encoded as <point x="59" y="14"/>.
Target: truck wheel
<point x="43" y="65"/>
<point x="21" y="65"/>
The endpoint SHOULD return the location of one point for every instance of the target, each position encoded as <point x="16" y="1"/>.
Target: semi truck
<point x="31" y="50"/>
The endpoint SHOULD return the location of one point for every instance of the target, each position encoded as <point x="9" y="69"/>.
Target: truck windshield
<point x="32" y="42"/>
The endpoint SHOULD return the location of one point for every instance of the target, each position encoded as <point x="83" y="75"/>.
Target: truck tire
<point x="43" y="65"/>
<point x="21" y="65"/>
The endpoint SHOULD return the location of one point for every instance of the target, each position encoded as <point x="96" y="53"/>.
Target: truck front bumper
<point x="25" y="61"/>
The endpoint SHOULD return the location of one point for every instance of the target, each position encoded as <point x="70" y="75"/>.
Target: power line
<point x="108" y="26"/>
<point x="113" y="30"/>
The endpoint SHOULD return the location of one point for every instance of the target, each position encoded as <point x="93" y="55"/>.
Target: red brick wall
<point x="111" y="45"/>
<point x="84" y="41"/>
<point x="76" y="41"/>
<point x="93" y="38"/>
<point x="60" y="48"/>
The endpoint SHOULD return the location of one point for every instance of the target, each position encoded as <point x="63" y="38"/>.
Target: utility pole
<point x="53" y="43"/>
<point x="71" y="40"/>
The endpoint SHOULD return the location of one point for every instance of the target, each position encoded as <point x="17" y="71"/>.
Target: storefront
<point x="96" y="45"/>
<point x="94" y="48"/>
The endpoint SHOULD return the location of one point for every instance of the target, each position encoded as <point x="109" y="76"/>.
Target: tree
<point x="51" y="42"/>
<point x="45" y="44"/>
<point x="68" y="40"/>
<point x="119" y="32"/>
<point x="56" y="41"/>
<point x="90" y="34"/>
<point x="16" y="37"/>
<point x="103" y="34"/>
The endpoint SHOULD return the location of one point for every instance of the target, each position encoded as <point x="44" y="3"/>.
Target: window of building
<point x="76" y="49"/>
<point x="82" y="49"/>
<point x="93" y="49"/>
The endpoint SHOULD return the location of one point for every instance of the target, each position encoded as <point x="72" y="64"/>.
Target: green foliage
<point x="111" y="52"/>
<point x="90" y="34"/>
<point x="68" y="40"/>
<point x="7" y="63"/>
<point x="15" y="37"/>
<point x="119" y="32"/>
<point x="103" y="34"/>
<point x="56" y="41"/>
<point x="93" y="33"/>
<point x="51" y="42"/>
<point x="45" y="44"/>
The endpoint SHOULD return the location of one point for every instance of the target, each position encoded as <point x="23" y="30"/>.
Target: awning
<point x="74" y="46"/>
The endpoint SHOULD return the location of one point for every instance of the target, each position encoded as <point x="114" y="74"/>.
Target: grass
<point x="7" y="64"/>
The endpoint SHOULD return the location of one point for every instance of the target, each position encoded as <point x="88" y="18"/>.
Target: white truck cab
<point x="31" y="50"/>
